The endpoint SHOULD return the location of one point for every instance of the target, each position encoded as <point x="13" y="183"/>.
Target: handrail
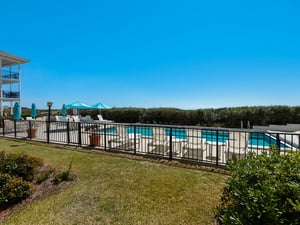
<point x="10" y="75"/>
<point x="10" y="94"/>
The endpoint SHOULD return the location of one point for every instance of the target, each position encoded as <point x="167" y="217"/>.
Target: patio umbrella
<point x="78" y="105"/>
<point x="17" y="111"/>
<point x="63" y="110"/>
<point x="100" y="106"/>
<point x="33" y="111"/>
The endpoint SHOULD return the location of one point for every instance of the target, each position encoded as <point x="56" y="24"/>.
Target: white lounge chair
<point x="87" y="119"/>
<point x="62" y="123"/>
<point x="237" y="144"/>
<point x="160" y="143"/>
<point x="123" y="140"/>
<point x="100" y="118"/>
<point x="75" y="118"/>
<point x="60" y="119"/>
<point x="195" y="145"/>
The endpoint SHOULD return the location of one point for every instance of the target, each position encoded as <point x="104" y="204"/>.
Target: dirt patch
<point x="39" y="190"/>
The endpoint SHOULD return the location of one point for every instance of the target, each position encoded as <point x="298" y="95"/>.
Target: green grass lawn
<point x="118" y="190"/>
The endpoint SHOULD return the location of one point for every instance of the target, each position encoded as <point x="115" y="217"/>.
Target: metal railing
<point x="10" y="94"/>
<point x="197" y="145"/>
<point x="10" y="75"/>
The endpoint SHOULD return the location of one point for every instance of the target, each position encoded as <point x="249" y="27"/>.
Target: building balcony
<point x="10" y="75"/>
<point x="10" y="94"/>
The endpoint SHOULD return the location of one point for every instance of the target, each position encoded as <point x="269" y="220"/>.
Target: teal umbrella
<point x="17" y="111"/>
<point x="33" y="111"/>
<point x="63" y="110"/>
<point x="77" y="106"/>
<point x="100" y="106"/>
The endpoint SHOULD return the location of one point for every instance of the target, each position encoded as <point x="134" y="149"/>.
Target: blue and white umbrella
<point x="17" y="111"/>
<point x="33" y="111"/>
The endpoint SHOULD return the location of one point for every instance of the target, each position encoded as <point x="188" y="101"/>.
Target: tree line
<point x="222" y="117"/>
<point x="230" y="117"/>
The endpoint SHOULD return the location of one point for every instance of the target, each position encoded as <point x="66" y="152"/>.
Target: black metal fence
<point x="200" y="145"/>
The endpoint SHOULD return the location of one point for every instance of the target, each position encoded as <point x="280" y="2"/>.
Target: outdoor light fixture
<point x="49" y="104"/>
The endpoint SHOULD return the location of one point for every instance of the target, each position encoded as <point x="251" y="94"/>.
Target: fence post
<point x="30" y="129"/>
<point x="48" y="130"/>
<point x="171" y="147"/>
<point x="3" y="126"/>
<point x="278" y="141"/>
<point x="15" y="128"/>
<point x="79" y="134"/>
<point x="68" y="132"/>
<point x="299" y="141"/>
<point x="105" y="137"/>
<point x="134" y="149"/>
<point x="217" y="148"/>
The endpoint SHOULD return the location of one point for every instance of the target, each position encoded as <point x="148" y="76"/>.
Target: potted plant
<point x="32" y="130"/>
<point x="95" y="138"/>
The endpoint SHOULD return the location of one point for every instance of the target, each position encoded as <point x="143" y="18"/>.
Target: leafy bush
<point x="263" y="189"/>
<point x="16" y="170"/>
<point x="20" y="165"/>
<point x="64" y="175"/>
<point x="13" y="189"/>
<point x="44" y="175"/>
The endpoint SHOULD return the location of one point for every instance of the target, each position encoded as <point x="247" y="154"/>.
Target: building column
<point x="19" y="85"/>
<point x="19" y="81"/>
<point x="1" y="96"/>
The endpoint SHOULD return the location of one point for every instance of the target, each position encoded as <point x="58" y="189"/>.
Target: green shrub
<point x="44" y="175"/>
<point x="20" y="165"/>
<point x="16" y="170"/>
<point x="64" y="175"/>
<point x="13" y="189"/>
<point x="263" y="190"/>
<point x="60" y="177"/>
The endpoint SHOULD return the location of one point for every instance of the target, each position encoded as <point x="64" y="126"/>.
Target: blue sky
<point x="183" y="54"/>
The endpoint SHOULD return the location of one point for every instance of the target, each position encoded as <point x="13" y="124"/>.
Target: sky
<point x="188" y="54"/>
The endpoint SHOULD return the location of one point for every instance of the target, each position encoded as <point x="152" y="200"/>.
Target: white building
<point x="10" y="79"/>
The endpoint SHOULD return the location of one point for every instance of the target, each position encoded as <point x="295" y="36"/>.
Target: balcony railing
<point x="9" y="75"/>
<point x="10" y="94"/>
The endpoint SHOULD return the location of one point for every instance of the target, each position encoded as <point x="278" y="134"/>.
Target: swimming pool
<point x="178" y="133"/>
<point x="211" y="136"/>
<point x="260" y="140"/>
<point x="147" y="131"/>
<point x="263" y="140"/>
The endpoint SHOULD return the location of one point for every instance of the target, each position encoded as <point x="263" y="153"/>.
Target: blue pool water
<point x="211" y="135"/>
<point x="255" y="139"/>
<point x="261" y="139"/>
<point x="147" y="132"/>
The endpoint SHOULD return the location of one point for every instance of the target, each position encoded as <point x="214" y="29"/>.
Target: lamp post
<point x="49" y="104"/>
